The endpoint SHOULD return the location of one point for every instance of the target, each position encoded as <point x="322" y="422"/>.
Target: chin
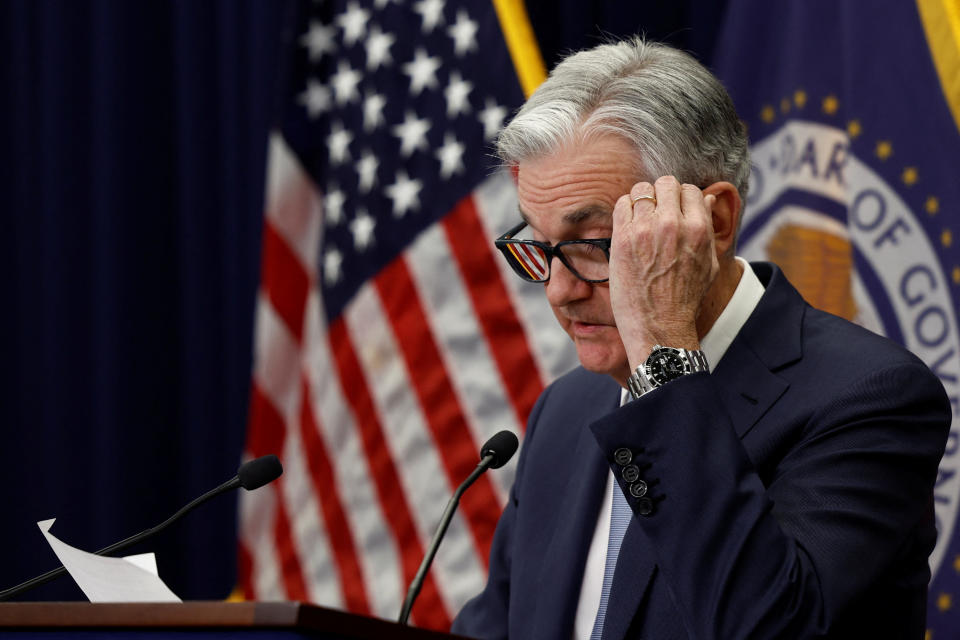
<point x="602" y="359"/>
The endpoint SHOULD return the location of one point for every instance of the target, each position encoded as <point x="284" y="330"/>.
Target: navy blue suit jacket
<point x="792" y="492"/>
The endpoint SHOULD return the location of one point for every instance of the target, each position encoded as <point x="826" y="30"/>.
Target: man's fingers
<point x="643" y="198"/>
<point x="622" y="213"/>
<point x="668" y="195"/>
<point x="691" y="201"/>
<point x="709" y="201"/>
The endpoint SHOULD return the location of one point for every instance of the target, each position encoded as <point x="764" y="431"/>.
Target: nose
<point x="564" y="287"/>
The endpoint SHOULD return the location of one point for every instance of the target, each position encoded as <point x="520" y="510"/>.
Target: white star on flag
<point x="492" y="118"/>
<point x="345" y="82"/>
<point x="353" y="22"/>
<point x="422" y="71"/>
<point x="338" y="143"/>
<point x="315" y="98"/>
<point x="373" y="106"/>
<point x="367" y="172"/>
<point x="318" y="40"/>
<point x="405" y="194"/>
<point x="464" y="34"/>
<point x="333" y="201"/>
<point x="378" y="48"/>
<point x="362" y="229"/>
<point x="412" y="133"/>
<point x="432" y="13"/>
<point x="456" y="94"/>
<point x="332" y="261"/>
<point x="450" y="156"/>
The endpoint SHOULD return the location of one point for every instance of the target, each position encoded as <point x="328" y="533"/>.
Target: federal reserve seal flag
<point x="853" y="111"/>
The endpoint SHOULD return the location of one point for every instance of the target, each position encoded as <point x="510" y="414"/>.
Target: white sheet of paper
<point x="104" y="579"/>
<point x="146" y="561"/>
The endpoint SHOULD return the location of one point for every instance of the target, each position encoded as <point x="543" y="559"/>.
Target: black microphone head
<point x="501" y="446"/>
<point x="260" y="471"/>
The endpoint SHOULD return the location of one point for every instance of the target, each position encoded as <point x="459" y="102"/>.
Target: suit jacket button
<point x="623" y="456"/>
<point x="631" y="473"/>
<point x="644" y="506"/>
<point x="639" y="489"/>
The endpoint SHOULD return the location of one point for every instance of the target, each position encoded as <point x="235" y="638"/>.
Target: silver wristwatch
<point x="663" y="365"/>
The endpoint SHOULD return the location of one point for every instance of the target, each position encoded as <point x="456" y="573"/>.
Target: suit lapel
<point x="748" y="388"/>
<point x="770" y="340"/>
<point x="562" y="573"/>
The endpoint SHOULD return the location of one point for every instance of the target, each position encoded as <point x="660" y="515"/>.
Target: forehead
<point x="576" y="185"/>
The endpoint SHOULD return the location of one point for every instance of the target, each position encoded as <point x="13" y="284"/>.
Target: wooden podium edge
<point x="79" y="615"/>
<point x="134" y="614"/>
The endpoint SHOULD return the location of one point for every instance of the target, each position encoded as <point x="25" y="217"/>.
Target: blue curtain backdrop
<point x="135" y="139"/>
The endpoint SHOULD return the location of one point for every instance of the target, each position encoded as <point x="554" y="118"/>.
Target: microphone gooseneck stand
<point x="251" y="475"/>
<point x="495" y="453"/>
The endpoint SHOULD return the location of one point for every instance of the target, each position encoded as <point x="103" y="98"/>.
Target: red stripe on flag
<point x="293" y="580"/>
<point x="430" y="610"/>
<point x="284" y="279"/>
<point x="266" y="435"/>
<point x="267" y="431"/>
<point x="439" y="401"/>
<point x="338" y="530"/>
<point x="491" y="300"/>
<point x="245" y="571"/>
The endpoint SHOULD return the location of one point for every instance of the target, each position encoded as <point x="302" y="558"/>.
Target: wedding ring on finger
<point x="635" y="199"/>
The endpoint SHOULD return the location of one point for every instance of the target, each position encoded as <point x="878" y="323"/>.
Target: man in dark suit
<point x="728" y="462"/>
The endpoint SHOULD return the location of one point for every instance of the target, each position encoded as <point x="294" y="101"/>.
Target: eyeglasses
<point x="588" y="259"/>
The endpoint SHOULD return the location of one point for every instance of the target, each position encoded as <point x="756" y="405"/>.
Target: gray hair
<point x="663" y="102"/>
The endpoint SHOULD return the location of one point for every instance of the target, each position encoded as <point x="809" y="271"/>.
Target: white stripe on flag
<point x="375" y="545"/>
<point x="275" y="373"/>
<point x="421" y="472"/>
<point x="276" y="359"/>
<point x="307" y="530"/>
<point x="294" y="207"/>
<point x="258" y="512"/>
<point x="466" y="356"/>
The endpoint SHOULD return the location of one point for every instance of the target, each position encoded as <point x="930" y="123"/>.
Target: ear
<point x="726" y="216"/>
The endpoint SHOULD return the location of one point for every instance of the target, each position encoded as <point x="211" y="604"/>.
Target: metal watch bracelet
<point x="639" y="382"/>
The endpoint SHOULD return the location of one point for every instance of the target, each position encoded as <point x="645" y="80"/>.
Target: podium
<point x="196" y="621"/>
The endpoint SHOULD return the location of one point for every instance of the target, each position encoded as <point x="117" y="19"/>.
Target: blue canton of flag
<point x="394" y="109"/>
<point x="854" y="120"/>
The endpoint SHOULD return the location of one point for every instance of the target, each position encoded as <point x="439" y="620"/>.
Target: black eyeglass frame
<point x="550" y="250"/>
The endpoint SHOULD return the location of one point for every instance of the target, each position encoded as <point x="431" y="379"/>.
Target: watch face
<point x="664" y="366"/>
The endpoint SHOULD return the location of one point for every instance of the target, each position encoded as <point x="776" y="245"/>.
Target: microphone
<point x="500" y="448"/>
<point x="493" y="454"/>
<point x="251" y="475"/>
<point x="257" y="472"/>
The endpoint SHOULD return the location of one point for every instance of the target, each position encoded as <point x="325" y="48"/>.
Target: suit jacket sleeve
<point x="786" y="548"/>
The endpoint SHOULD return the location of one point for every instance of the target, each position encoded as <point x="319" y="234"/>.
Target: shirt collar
<point x="744" y="300"/>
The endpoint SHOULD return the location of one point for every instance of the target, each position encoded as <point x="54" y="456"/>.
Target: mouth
<point x="580" y="327"/>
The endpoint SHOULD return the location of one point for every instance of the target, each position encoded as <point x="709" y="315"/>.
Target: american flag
<point x="391" y="341"/>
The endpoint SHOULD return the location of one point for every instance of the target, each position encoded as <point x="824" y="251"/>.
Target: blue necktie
<point x="620" y="515"/>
